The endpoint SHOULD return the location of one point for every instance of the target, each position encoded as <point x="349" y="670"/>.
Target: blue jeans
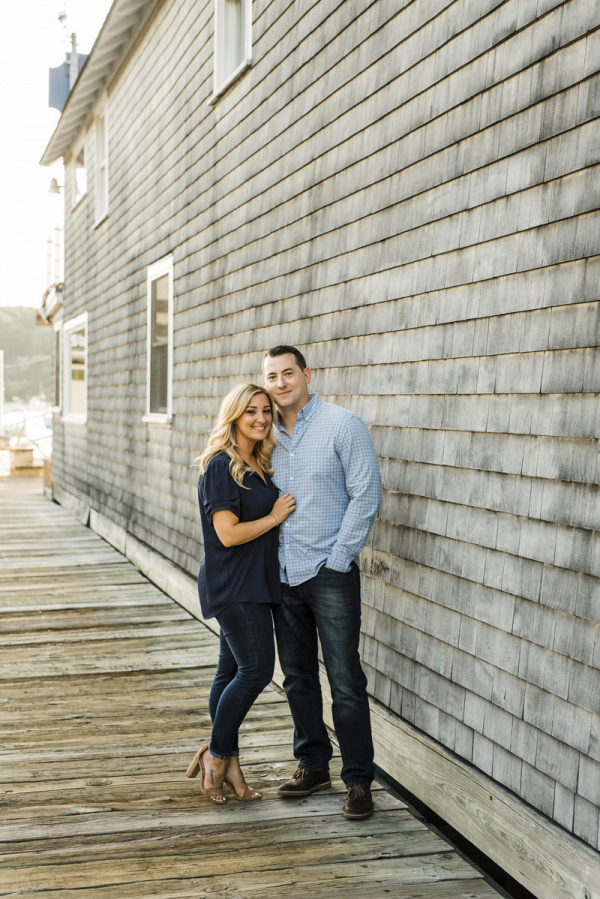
<point x="327" y="604"/>
<point x="244" y="669"/>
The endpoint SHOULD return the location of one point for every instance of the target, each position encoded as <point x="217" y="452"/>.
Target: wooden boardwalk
<point x="103" y="701"/>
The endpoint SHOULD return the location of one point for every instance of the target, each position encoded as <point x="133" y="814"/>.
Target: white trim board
<point x="543" y="857"/>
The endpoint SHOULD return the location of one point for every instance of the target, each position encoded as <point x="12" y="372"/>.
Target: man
<point x="326" y="460"/>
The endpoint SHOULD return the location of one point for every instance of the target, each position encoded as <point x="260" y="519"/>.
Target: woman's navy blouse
<point x="248" y="572"/>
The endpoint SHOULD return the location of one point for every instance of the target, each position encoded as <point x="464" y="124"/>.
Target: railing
<point x="19" y="438"/>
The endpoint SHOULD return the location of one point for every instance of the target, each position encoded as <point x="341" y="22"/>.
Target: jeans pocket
<point x="333" y="572"/>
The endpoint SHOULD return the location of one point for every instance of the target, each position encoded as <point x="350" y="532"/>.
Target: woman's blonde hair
<point x="223" y="438"/>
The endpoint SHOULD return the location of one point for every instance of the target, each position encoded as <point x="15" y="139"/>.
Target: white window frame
<point x="74" y="324"/>
<point x="158" y="270"/>
<point x="101" y="180"/>
<point x="221" y="81"/>
<point x="57" y="381"/>
<point x="75" y="199"/>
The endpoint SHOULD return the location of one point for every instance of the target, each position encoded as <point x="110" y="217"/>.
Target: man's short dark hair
<point x="282" y="350"/>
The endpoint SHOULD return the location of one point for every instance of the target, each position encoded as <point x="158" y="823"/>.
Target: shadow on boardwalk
<point x="103" y="697"/>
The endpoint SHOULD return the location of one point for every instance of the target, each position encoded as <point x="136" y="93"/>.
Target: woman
<point x="241" y="511"/>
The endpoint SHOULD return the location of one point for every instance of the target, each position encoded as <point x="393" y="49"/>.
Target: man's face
<point x="285" y="381"/>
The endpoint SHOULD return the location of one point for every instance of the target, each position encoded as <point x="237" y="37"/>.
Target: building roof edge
<point x="119" y="29"/>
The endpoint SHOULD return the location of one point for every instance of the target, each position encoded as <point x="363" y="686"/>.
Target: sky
<point x="31" y="41"/>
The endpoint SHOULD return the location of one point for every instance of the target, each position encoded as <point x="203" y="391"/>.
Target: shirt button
<point x="287" y="545"/>
<point x="291" y="477"/>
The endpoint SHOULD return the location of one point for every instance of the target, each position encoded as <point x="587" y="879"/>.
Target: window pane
<point x="80" y="180"/>
<point x="77" y="405"/>
<point x="159" y="345"/>
<point x="56" y="368"/>
<point x="100" y="148"/>
<point x="101" y="169"/>
<point x="234" y="35"/>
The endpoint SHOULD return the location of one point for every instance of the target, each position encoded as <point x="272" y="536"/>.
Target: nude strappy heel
<point x="214" y="792"/>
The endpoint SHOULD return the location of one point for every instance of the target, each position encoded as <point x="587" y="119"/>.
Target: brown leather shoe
<point x="359" y="802"/>
<point x="304" y="782"/>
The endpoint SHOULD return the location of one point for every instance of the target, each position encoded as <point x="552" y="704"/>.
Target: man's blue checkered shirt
<point x="330" y="467"/>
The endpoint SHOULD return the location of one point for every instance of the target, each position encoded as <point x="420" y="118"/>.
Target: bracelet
<point x="275" y="517"/>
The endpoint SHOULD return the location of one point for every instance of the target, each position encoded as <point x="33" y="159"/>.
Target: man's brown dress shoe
<point x="304" y="782"/>
<point x="359" y="802"/>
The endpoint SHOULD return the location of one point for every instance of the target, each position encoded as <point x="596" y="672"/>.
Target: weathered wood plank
<point x="147" y="702"/>
<point x="107" y="635"/>
<point x="328" y="889"/>
<point x="98" y="820"/>
<point x="185" y="842"/>
<point x="18" y="626"/>
<point x="86" y="729"/>
<point x="414" y="849"/>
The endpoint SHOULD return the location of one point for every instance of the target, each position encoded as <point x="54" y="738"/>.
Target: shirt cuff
<point x="211" y="508"/>
<point x="339" y="561"/>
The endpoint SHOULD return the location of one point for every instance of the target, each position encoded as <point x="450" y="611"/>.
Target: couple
<point x="316" y="514"/>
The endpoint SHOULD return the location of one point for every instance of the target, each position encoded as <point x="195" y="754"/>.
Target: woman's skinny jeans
<point x="245" y="667"/>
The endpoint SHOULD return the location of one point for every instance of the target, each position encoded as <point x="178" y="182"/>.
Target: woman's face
<point x="255" y="422"/>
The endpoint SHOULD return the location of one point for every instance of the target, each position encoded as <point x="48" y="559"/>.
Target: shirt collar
<point x="305" y="413"/>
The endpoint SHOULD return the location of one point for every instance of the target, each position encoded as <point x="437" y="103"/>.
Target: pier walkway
<point x="103" y="702"/>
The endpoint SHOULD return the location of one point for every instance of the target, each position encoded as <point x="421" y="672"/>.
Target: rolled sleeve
<point x="363" y="484"/>
<point x="219" y="491"/>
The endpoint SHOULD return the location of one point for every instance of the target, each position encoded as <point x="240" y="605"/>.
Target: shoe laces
<point x="357" y="792"/>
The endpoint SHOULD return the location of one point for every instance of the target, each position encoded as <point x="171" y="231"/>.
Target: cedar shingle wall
<point x="410" y="192"/>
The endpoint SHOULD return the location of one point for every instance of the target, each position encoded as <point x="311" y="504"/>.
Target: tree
<point x="27" y="354"/>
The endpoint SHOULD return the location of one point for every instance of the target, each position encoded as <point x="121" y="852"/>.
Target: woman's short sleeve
<point x="219" y="490"/>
